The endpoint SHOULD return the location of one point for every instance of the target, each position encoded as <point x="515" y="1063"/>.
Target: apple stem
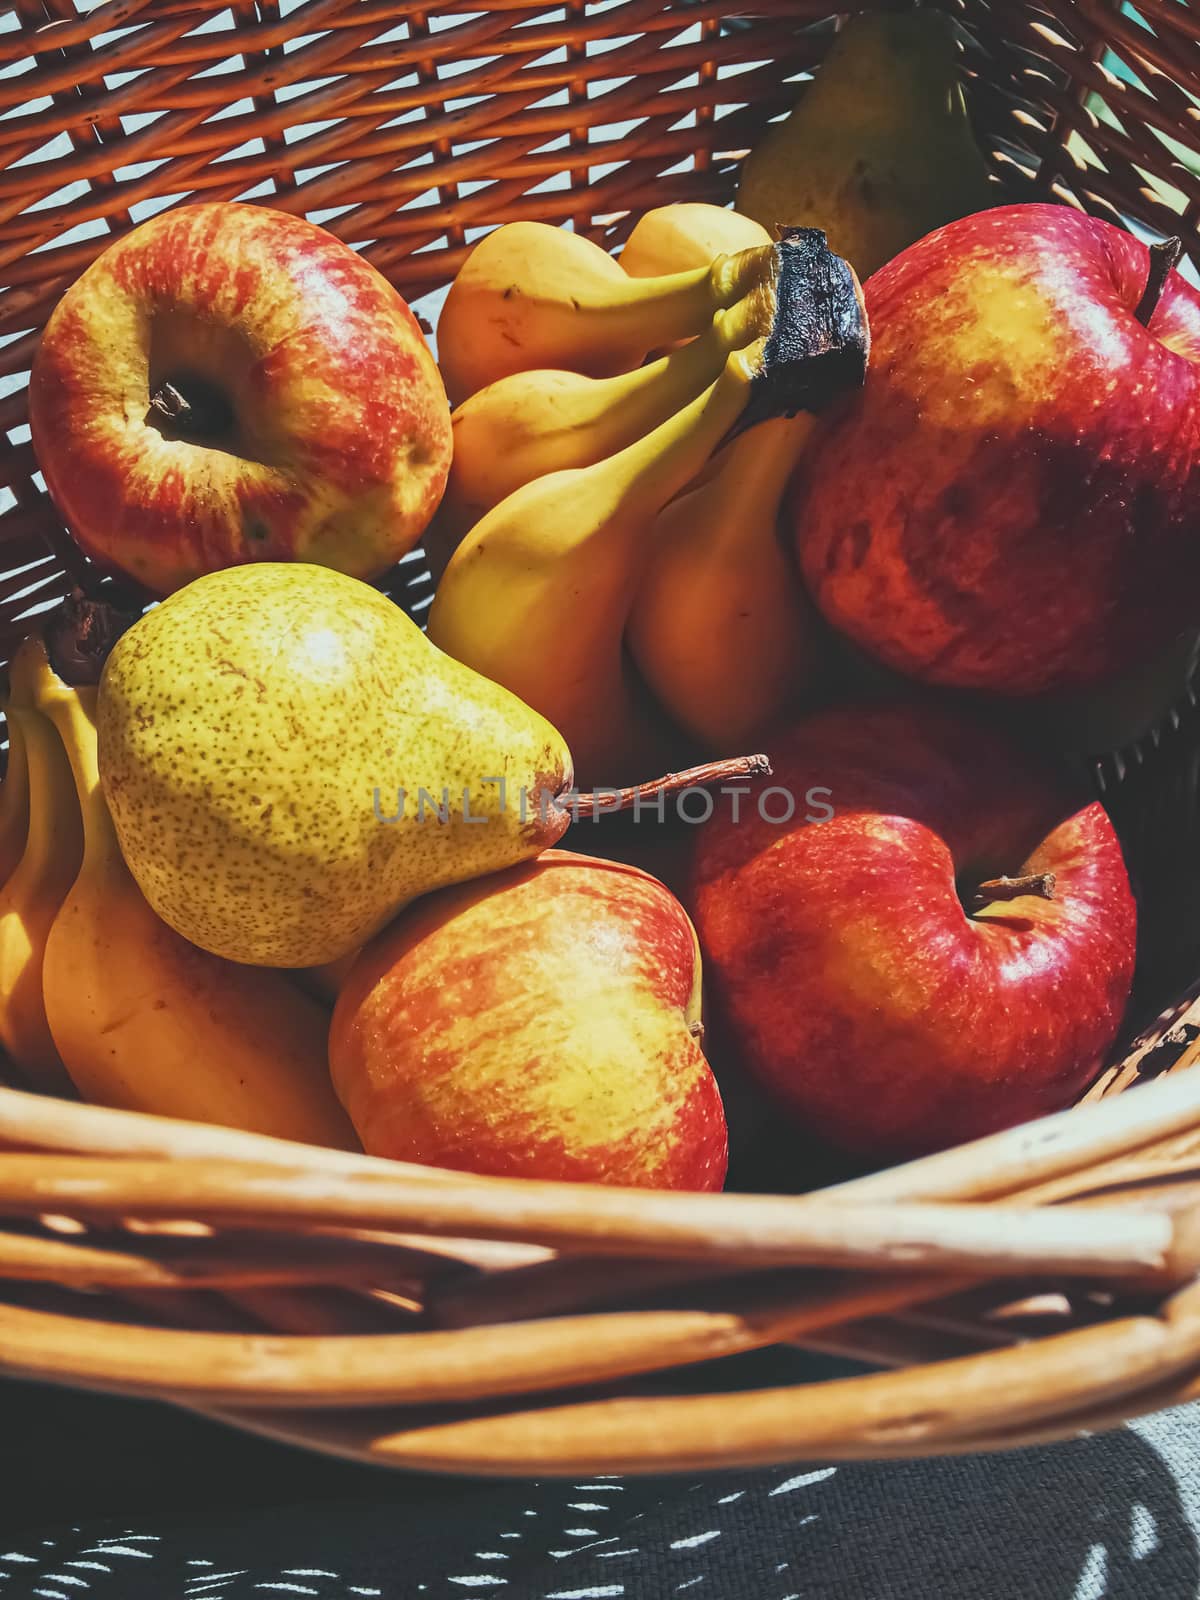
<point x="202" y="412"/>
<point x="1040" y="884"/>
<point x="169" y="403"/>
<point x="1164" y="258"/>
<point x="606" y="800"/>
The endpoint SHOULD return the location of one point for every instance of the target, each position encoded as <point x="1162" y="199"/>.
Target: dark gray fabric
<point x="109" y="1500"/>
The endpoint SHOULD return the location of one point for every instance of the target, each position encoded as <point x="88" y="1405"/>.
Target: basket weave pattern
<point x="428" y="1319"/>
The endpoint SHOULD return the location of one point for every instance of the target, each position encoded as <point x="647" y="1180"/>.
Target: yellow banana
<point x="532" y="296"/>
<point x="689" y="233"/>
<point x="720" y="628"/>
<point x="14" y="799"/>
<point x="538" y="594"/>
<point x="30" y="899"/>
<point x="532" y="423"/>
<point x="148" y="1022"/>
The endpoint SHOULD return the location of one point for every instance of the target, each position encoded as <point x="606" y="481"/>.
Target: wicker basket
<point x="423" y="1318"/>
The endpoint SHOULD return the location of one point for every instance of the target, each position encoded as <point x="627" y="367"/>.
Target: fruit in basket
<point x="14" y="798"/>
<point x="879" y="151"/>
<point x="531" y="296"/>
<point x="541" y="1023"/>
<point x="949" y="954"/>
<point x="228" y="383"/>
<point x="1011" y="503"/>
<point x="688" y="234"/>
<point x="533" y="423"/>
<point x="720" y="628"/>
<point x="288" y="759"/>
<point x="144" y="1020"/>
<point x="31" y="897"/>
<point x="538" y="595"/>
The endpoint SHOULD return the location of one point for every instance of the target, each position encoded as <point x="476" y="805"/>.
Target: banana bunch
<point x="96" y="993"/>
<point x="39" y="883"/>
<point x="14" y="797"/>
<point x="607" y="547"/>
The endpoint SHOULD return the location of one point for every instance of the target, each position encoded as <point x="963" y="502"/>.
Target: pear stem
<point x="1040" y="884"/>
<point x="606" y="800"/>
<point x="1163" y="259"/>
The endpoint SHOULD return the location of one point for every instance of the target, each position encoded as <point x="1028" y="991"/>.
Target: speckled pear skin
<point x="254" y="730"/>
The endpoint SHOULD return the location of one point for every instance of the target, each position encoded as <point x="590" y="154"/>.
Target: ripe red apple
<point x="541" y="1023"/>
<point x="869" y="989"/>
<point x="229" y="383"/>
<point x="1011" y="503"/>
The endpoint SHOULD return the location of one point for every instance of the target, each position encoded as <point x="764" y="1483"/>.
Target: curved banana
<point x="538" y="594"/>
<point x="532" y="423"/>
<point x="720" y="628"/>
<point x="148" y="1022"/>
<point x="688" y="233"/>
<point x="30" y="900"/>
<point x="14" y="799"/>
<point x="532" y="296"/>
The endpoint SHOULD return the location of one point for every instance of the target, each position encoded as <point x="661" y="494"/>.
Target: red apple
<point x="229" y="383"/>
<point x="538" y="1023"/>
<point x="869" y="989"/>
<point x="1012" y="501"/>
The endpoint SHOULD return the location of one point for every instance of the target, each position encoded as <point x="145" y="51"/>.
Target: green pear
<point x="879" y="151"/>
<point x="288" y="759"/>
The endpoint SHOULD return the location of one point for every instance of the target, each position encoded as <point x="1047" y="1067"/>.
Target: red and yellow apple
<point x="878" y="980"/>
<point x="1012" y="501"/>
<point x="229" y="383"/>
<point x="541" y="1023"/>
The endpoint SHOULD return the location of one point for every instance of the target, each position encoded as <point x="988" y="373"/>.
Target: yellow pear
<point x="288" y="759"/>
